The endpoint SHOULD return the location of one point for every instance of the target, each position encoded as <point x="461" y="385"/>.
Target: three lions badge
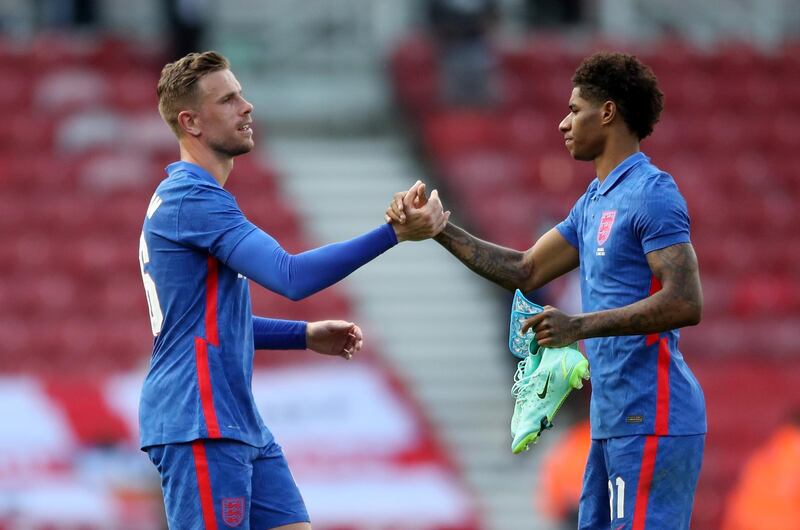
<point x="604" y="230"/>
<point x="233" y="511"/>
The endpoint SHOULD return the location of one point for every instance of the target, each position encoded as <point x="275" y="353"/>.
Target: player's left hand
<point x="334" y="337"/>
<point x="553" y="328"/>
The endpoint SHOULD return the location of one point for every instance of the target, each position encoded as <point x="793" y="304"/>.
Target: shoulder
<point x="174" y="188"/>
<point x="190" y="192"/>
<point x="656" y="204"/>
<point x="653" y="183"/>
<point x="181" y="195"/>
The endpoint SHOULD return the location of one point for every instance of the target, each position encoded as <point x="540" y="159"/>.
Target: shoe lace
<point x="521" y="383"/>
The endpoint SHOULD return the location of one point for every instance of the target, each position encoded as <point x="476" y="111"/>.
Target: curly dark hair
<point x="626" y="81"/>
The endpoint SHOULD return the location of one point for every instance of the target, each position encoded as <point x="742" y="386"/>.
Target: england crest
<point x="606" y="223"/>
<point x="233" y="511"/>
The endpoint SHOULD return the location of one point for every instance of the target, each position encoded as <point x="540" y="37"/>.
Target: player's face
<point x="582" y="128"/>
<point x="224" y="115"/>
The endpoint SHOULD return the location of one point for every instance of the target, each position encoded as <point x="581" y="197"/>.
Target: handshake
<point x="415" y="216"/>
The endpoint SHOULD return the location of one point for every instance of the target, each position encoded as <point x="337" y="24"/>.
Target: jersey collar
<point x="192" y="169"/>
<point x="620" y="171"/>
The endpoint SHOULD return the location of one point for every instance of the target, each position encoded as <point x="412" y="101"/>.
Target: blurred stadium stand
<point x="82" y="148"/>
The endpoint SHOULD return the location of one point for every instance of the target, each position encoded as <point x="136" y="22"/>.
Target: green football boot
<point x="541" y="391"/>
<point x="522" y="379"/>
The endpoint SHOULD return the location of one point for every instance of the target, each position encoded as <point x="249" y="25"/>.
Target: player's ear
<point x="187" y="121"/>
<point x="608" y="111"/>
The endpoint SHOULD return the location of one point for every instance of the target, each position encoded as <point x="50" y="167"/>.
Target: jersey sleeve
<point x="569" y="227"/>
<point x="296" y="276"/>
<point x="662" y="218"/>
<point x="210" y="219"/>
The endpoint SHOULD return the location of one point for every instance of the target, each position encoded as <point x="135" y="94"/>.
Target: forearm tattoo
<point x="500" y="265"/>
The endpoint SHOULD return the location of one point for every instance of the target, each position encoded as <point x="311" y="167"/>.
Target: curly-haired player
<point x="629" y="234"/>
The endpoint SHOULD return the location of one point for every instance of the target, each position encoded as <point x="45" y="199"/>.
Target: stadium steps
<point x="441" y="326"/>
<point x="316" y="67"/>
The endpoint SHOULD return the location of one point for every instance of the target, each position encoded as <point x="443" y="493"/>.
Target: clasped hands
<point x="414" y="216"/>
<point x="419" y="218"/>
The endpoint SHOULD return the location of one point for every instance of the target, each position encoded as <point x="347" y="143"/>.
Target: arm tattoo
<point x="679" y="303"/>
<point x="503" y="266"/>
<point x="677" y="265"/>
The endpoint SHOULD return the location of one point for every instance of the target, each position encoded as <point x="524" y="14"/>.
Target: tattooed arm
<point x="550" y="257"/>
<point x="679" y="303"/>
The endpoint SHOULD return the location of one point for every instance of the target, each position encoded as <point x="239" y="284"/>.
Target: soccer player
<point x="629" y="234"/>
<point x="219" y="464"/>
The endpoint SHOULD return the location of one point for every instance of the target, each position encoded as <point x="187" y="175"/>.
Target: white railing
<point x="313" y="33"/>
<point x="763" y="22"/>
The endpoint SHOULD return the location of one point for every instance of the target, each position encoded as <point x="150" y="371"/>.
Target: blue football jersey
<point x="199" y="381"/>
<point x="640" y="384"/>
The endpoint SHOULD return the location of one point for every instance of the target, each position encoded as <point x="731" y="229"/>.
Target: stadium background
<point x="351" y="105"/>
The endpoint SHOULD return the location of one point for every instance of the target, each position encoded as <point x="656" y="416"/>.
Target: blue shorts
<point x="640" y="482"/>
<point x="215" y="484"/>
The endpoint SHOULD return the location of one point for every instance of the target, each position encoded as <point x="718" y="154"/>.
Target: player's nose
<point x="565" y="125"/>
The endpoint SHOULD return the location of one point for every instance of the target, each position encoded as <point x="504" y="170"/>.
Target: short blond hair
<point x="177" y="88"/>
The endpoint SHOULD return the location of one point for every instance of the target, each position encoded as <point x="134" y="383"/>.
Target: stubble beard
<point x="232" y="148"/>
<point x="586" y="152"/>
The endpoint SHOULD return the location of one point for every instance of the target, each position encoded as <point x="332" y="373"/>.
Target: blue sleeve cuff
<point x="276" y="334"/>
<point x="665" y="241"/>
<point x="391" y="235"/>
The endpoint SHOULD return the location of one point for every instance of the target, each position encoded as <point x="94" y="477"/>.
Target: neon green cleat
<point x="522" y="379"/>
<point x="542" y="384"/>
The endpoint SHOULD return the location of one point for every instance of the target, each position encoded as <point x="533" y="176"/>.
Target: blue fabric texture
<point x="251" y="488"/>
<point x="198" y="382"/>
<point x="197" y="250"/>
<point x="637" y="209"/>
<point x="611" y="489"/>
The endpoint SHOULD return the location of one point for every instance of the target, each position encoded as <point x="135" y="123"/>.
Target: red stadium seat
<point x="414" y="69"/>
<point x="15" y="91"/>
<point x="133" y="90"/>
<point x="458" y="132"/>
<point x="766" y="296"/>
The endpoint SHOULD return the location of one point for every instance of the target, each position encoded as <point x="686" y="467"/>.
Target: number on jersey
<point x="156" y="316"/>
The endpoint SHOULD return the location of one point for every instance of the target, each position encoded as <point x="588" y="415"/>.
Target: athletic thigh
<point x="206" y="483"/>
<point x="593" y="511"/>
<point x="276" y="500"/>
<point x="652" y="480"/>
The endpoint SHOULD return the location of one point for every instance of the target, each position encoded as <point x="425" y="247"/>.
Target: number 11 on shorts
<point x="620" y="498"/>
